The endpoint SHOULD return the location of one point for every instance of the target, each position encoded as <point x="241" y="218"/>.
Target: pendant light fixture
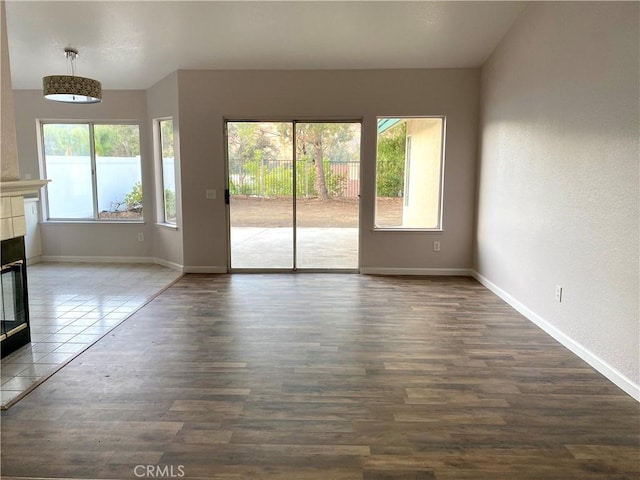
<point x="69" y="88"/>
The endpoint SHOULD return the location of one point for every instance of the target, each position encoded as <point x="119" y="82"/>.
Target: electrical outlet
<point x="558" y="293"/>
<point x="436" y="246"/>
<point x="141" y="237"/>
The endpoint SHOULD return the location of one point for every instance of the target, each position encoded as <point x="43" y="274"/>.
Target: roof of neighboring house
<point x="385" y="124"/>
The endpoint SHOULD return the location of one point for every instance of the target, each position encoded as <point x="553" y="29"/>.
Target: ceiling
<point x="133" y="44"/>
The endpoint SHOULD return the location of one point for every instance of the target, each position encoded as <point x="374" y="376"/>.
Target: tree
<point x="313" y="135"/>
<point x="260" y="157"/>
<point x="66" y="139"/>
<point x="390" y="162"/>
<point x="117" y="140"/>
<point x="319" y="142"/>
<point x="249" y="141"/>
<point x="166" y="135"/>
<point x="250" y="146"/>
<point x="109" y="140"/>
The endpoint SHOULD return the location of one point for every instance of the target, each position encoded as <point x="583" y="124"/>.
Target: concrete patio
<point x="272" y="248"/>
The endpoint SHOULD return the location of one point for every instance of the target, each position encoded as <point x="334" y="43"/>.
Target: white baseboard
<point x="95" y="259"/>
<point x="458" y="272"/>
<point x="33" y="260"/>
<point x="165" y="263"/>
<point x="204" y="269"/>
<point x="610" y="372"/>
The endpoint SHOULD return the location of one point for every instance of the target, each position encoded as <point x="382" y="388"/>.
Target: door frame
<point x="294" y="121"/>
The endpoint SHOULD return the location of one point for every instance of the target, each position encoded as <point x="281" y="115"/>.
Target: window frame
<point x="407" y="170"/>
<point x="441" y="182"/>
<point x="161" y="208"/>
<point x="93" y="162"/>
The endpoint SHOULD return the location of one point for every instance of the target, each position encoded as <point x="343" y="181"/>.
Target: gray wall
<point x="558" y="176"/>
<point x="207" y="97"/>
<point x="162" y="102"/>
<point x="198" y="101"/>
<point x="8" y="148"/>
<point x="66" y="239"/>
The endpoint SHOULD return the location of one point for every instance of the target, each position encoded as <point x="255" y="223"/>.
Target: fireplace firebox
<point x="14" y="308"/>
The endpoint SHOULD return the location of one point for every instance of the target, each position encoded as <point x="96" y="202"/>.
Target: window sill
<point x="93" y="222"/>
<point x="169" y="226"/>
<point x="408" y="230"/>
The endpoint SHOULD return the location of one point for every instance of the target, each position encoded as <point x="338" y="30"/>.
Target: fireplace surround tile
<point x="5" y="207"/>
<point x="12" y="219"/>
<point x="19" y="226"/>
<point x="6" y="228"/>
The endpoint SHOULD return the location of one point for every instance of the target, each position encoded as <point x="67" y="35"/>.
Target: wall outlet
<point x="210" y="194"/>
<point x="436" y="246"/>
<point x="558" y="293"/>
<point x="141" y="237"/>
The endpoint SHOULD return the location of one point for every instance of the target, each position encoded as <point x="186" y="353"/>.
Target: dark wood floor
<point x="316" y="376"/>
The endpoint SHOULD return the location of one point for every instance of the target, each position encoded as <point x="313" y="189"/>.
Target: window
<point x="94" y="170"/>
<point x="410" y="158"/>
<point x="168" y="171"/>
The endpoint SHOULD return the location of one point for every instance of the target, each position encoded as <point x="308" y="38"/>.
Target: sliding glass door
<point x="260" y="171"/>
<point x="293" y="195"/>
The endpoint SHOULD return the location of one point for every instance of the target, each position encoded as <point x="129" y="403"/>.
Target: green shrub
<point x="336" y="182"/>
<point x="276" y="180"/>
<point x="133" y="199"/>
<point x="391" y="159"/>
<point x="169" y="204"/>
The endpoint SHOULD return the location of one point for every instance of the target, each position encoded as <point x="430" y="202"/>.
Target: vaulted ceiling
<point x="133" y="44"/>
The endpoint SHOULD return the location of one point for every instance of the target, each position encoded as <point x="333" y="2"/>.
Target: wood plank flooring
<point x="317" y="376"/>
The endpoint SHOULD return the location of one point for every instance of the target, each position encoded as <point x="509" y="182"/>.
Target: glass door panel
<point x="327" y="193"/>
<point x="260" y="166"/>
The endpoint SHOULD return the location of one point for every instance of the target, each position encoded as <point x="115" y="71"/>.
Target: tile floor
<point x="71" y="306"/>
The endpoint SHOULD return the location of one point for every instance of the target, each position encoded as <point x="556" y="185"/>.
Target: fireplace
<point x="14" y="311"/>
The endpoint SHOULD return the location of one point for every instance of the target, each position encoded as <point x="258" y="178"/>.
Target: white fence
<point x="169" y="173"/>
<point x="70" y="190"/>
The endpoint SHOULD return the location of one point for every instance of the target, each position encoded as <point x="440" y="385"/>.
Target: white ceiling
<point x="133" y="44"/>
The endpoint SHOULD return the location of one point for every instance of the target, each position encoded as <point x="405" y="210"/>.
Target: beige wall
<point x="558" y="181"/>
<point x="199" y="100"/>
<point x="207" y="97"/>
<point x="67" y="239"/>
<point x="423" y="206"/>
<point x="8" y="152"/>
<point x="162" y="102"/>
